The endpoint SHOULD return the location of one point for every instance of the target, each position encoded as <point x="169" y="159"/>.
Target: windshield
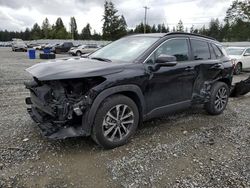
<point x="235" y="51"/>
<point x="126" y="49"/>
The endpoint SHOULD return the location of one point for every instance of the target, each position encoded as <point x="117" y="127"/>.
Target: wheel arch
<point x="132" y="91"/>
<point x="239" y="62"/>
<point x="78" y="51"/>
<point x="226" y="81"/>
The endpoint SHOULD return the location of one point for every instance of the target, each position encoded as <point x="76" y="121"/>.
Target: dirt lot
<point x="189" y="149"/>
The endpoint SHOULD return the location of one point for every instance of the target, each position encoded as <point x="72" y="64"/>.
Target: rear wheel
<point x="238" y="69"/>
<point x="218" y="99"/>
<point x="115" y="122"/>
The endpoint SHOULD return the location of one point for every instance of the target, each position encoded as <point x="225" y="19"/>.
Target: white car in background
<point x="83" y="49"/>
<point x="241" y="57"/>
<point x="18" y="45"/>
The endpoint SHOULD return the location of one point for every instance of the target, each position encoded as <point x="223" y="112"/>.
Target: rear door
<point x="210" y="65"/>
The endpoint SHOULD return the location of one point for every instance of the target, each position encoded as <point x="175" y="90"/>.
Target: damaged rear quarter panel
<point x="207" y="74"/>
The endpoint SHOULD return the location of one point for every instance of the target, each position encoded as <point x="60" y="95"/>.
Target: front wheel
<point x="218" y="99"/>
<point x="115" y="122"/>
<point x="238" y="69"/>
<point x="78" y="53"/>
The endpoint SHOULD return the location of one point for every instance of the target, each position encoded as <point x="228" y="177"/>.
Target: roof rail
<point x="192" y="34"/>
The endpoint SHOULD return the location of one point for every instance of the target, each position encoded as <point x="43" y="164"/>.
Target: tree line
<point x="235" y="27"/>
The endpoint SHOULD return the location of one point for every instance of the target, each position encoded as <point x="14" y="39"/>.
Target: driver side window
<point x="173" y="47"/>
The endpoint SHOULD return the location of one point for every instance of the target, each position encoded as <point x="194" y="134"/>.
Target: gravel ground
<point x="188" y="149"/>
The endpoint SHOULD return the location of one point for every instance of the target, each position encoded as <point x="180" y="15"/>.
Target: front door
<point x="246" y="59"/>
<point x="170" y="87"/>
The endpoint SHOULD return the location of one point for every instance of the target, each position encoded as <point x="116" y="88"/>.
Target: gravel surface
<point x="188" y="149"/>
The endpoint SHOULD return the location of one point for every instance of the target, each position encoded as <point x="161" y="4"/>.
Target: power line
<point x="145" y="18"/>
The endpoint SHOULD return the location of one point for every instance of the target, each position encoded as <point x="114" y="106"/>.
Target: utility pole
<point x="145" y="18"/>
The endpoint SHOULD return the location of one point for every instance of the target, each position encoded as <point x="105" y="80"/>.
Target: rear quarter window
<point x="217" y="51"/>
<point x="200" y="50"/>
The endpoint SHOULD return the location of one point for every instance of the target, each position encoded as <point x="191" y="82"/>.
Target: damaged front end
<point x="58" y="106"/>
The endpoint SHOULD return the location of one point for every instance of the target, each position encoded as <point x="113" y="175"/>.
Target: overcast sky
<point x="19" y="14"/>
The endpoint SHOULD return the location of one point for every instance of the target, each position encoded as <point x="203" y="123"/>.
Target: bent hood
<point x="73" y="68"/>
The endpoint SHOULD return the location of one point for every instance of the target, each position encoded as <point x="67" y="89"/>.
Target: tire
<point x="117" y="131"/>
<point x="238" y="69"/>
<point x="78" y="53"/>
<point x="218" y="99"/>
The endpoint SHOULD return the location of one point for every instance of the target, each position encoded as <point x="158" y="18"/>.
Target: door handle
<point x="188" y="68"/>
<point x="217" y="66"/>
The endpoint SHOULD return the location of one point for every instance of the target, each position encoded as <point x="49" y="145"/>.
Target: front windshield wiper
<point x="101" y="59"/>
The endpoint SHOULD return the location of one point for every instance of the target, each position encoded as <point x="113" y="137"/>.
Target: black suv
<point x="133" y="79"/>
<point x="63" y="47"/>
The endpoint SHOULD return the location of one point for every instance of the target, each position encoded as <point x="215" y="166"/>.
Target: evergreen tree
<point x="26" y="35"/>
<point x="192" y="29"/>
<point x="159" y="28"/>
<point x="86" y="32"/>
<point x="114" y="26"/>
<point x="96" y="36"/>
<point x="73" y="28"/>
<point x="139" y="28"/>
<point x="59" y="30"/>
<point x="153" y="29"/>
<point x="122" y="27"/>
<point x="214" y="29"/>
<point x="238" y="20"/>
<point x="164" y="29"/>
<point x="46" y="28"/>
<point x="36" y="32"/>
<point x="180" y="27"/>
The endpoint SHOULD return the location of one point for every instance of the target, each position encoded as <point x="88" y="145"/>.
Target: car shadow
<point x="87" y="144"/>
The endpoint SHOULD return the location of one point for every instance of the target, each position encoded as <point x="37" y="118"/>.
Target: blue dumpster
<point x="46" y="50"/>
<point x="32" y="53"/>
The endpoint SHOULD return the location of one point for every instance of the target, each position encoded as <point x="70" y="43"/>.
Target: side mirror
<point x="166" y="60"/>
<point x="247" y="54"/>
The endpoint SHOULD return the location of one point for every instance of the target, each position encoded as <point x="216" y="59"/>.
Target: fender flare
<point x="88" y="118"/>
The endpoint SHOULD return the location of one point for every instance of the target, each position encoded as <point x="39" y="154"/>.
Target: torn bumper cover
<point x="241" y="88"/>
<point x="57" y="114"/>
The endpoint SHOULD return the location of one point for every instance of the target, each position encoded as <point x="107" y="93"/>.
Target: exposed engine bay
<point x="60" y="104"/>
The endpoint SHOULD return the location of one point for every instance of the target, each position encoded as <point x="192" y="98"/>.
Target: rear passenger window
<point x="217" y="51"/>
<point x="200" y="50"/>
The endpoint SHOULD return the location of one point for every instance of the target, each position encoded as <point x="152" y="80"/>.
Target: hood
<point x="73" y="68"/>
<point x="235" y="56"/>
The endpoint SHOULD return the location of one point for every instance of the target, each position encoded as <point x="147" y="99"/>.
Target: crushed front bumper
<point x="55" y="130"/>
<point x="46" y="117"/>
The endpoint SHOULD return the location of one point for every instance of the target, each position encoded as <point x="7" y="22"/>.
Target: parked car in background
<point x="18" y="45"/>
<point x="31" y="45"/>
<point x="41" y="46"/>
<point x="241" y="58"/>
<point x="133" y="79"/>
<point x="63" y="47"/>
<point x="83" y="49"/>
